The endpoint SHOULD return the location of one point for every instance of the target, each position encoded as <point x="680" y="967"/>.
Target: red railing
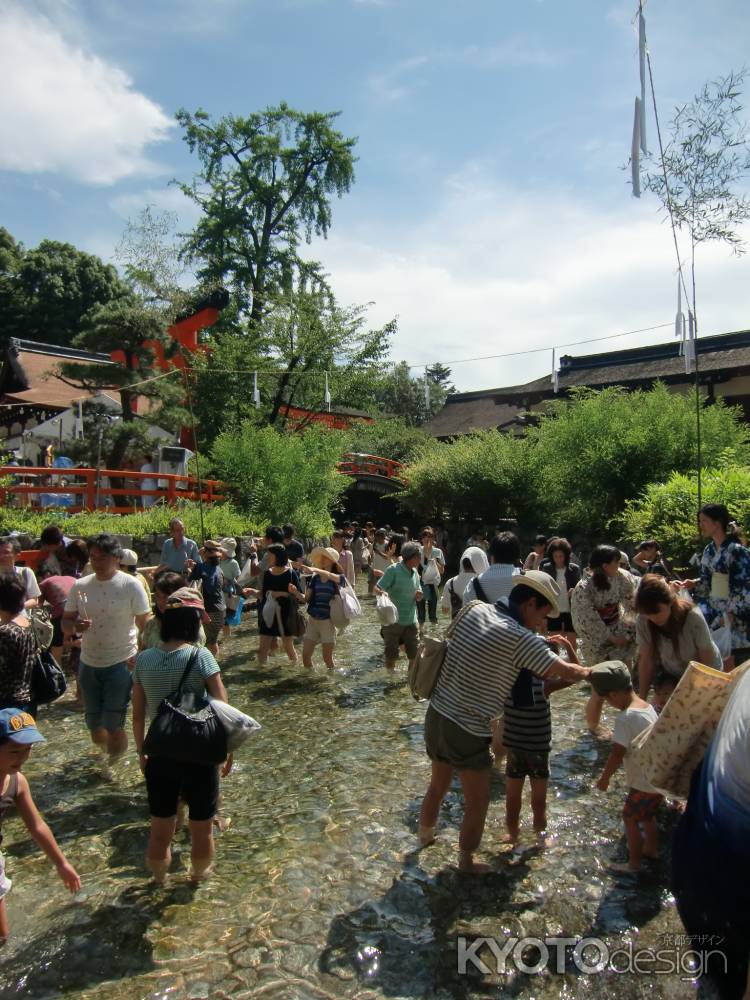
<point x="76" y="489"/>
<point x="353" y="464"/>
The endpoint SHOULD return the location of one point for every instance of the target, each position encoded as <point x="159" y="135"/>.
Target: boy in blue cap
<point x="18" y="733"/>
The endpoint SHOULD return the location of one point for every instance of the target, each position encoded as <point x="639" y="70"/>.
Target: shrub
<point x="280" y="476"/>
<point x="667" y="511"/>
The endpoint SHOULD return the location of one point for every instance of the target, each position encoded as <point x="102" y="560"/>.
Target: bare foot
<point x="623" y="868"/>
<point x="468" y="866"/>
<point x="601" y="733"/>
<point x="426" y="835"/>
<point x="509" y="838"/>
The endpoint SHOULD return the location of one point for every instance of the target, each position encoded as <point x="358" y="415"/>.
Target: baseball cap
<point x="19" y="726"/>
<point x="188" y="597"/>
<point x="610" y="675"/>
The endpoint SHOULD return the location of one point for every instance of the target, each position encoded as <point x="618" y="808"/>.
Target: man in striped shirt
<point x="488" y="649"/>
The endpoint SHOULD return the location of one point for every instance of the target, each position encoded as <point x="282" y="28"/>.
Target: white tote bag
<point x="350" y="602"/>
<point x="386" y="609"/>
<point x="431" y="573"/>
<point x="270" y="609"/>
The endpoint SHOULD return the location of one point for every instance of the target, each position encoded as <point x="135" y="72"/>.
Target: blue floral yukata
<point x="732" y="559"/>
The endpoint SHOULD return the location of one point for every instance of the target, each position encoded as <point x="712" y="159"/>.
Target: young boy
<point x="613" y="682"/>
<point x="17" y="734"/>
<point x="527" y="737"/>
<point x="664" y="685"/>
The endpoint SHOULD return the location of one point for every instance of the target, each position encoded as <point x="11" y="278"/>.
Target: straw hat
<point x="316" y="555"/>
<point x="129" y="558"/>
<point x="543" y="584"/>
<point x="211" y="546"/>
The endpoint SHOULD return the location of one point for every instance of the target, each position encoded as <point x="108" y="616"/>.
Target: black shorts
<point x="170" y="780"/>
<point x="562" y="624"/>
<point x="57" y="632"/>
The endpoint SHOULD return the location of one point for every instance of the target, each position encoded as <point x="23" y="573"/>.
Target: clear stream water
<point x="319" y="891"/>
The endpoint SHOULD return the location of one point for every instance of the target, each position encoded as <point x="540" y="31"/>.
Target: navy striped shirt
<point x="322" y="591"/>
<point x="528" y="719"/>
<point x="485" y="654"/>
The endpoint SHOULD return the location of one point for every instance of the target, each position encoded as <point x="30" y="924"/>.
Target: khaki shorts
<point x="394" y="635"/>
<point x="320" y="630"/>
<point x="450" y="744"/>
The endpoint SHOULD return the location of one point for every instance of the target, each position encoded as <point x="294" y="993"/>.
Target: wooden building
<point x="724" y="372"/>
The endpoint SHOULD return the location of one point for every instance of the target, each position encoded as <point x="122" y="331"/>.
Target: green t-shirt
<point x="401" y="584"/>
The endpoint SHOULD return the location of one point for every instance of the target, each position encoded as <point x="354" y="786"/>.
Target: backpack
<point x="457" y="601"/>
<point x="425" y="668"/>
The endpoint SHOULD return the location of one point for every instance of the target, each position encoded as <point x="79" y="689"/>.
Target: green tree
<point x="599" y="449"/>
<point x="441" y="375"/>
<point x="278" y="477"/>
<point x="306" y="335"/>
<point x="414" y="399"/>
<point x="45" y="293"/>
<point x="265" y="184"/>
<point x="388" y="437"/>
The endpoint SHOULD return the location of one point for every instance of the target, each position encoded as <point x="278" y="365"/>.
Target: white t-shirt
<point x="563" y="601"/>
<point x="112" y="606"/>
<point x="729" y="754"/>
<point x="628" y="724"/>
<point x="28" y="578"/>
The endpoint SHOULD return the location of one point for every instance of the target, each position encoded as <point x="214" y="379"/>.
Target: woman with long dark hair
<point x="599" y="608"/>
<point x="671" y="632"/>
<point x="723" y="589"/>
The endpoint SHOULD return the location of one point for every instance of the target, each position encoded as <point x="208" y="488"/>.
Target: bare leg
<point x="100" y="738"/>
<point x="264" y="645"/>
<point x="328" y="648"/>
<point x="390" y="664"/>
<point x="594" y="712"/>
<point x="201" y="847"/>
<point x="291" y="652"/>
<point x="539" y="803"/>
<point x="158" y="853"/>
<point x="635" y="844"/>
<point x="440" y="781"/>
<point x="650" y="838"/>
<point x="513" y="799"/>
<point x="308" y="647"/>
<point x="476" y="786"/>
<point x="4" y="928"/>
<point x="117" y="742"/>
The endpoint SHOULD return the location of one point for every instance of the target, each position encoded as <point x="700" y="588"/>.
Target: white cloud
<point x="495" y="270"/>
<point x="166" y="199"/>
<point x="64" y="110"/>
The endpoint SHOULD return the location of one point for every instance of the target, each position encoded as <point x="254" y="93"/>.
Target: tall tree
<point x="46" y="292"/>
<point x="265" y="183"/>
<point x="414" y="399"/>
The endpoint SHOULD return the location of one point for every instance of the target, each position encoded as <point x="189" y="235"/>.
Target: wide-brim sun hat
<point x="187" y="597"/>
<point x="543" y="584"/>
<point x="328" y="551"/>
<point x="229" y="546"/>
<point x="128" y="558"/>
<point x="212" y="546"/>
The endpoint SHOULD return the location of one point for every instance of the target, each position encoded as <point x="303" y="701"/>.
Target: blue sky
<point x="490" y="211"/>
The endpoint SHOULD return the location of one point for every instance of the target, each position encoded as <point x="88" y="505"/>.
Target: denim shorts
<point x="106" y="693"/>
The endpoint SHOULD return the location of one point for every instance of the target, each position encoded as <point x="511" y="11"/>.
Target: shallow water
<point x="319" y="891"/>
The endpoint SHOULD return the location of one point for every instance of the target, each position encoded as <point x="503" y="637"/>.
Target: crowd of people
<point x="520" y="630"/>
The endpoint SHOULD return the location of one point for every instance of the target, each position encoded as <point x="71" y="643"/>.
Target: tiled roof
<point x="39" y="362"/>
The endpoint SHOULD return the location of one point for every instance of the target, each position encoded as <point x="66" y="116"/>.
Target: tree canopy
<point x="265" y="184"/>
<point x="46" y="292"/>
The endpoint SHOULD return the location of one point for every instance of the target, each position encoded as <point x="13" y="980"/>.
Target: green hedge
<point x="220" y="520"/>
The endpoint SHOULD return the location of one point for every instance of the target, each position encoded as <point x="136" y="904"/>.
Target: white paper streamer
<point x="327" y="396"/>
<point x="679" y="320"/>
<point x="256" y="391"/>
<point x="635" y="150"/>
<point x="642" y="67"/>
<point x="427" y="392"/>
<point x="555" y="377"/>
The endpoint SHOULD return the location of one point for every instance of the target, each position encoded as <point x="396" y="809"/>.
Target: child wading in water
<point x="527" y="737"/>
<point x="17" y="734"/>
<point x="613" y="682"/>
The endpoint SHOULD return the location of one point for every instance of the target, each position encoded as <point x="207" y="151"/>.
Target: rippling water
<point x="319" y="891"/>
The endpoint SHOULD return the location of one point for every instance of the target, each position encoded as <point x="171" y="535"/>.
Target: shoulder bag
<point x="424" y="670"/>
<point x="47" y="678"/>
<point x="186" y="727"/>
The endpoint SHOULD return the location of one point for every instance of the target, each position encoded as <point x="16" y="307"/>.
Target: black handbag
<point x="47" y="678"/>
<point x="186" y="728"/>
